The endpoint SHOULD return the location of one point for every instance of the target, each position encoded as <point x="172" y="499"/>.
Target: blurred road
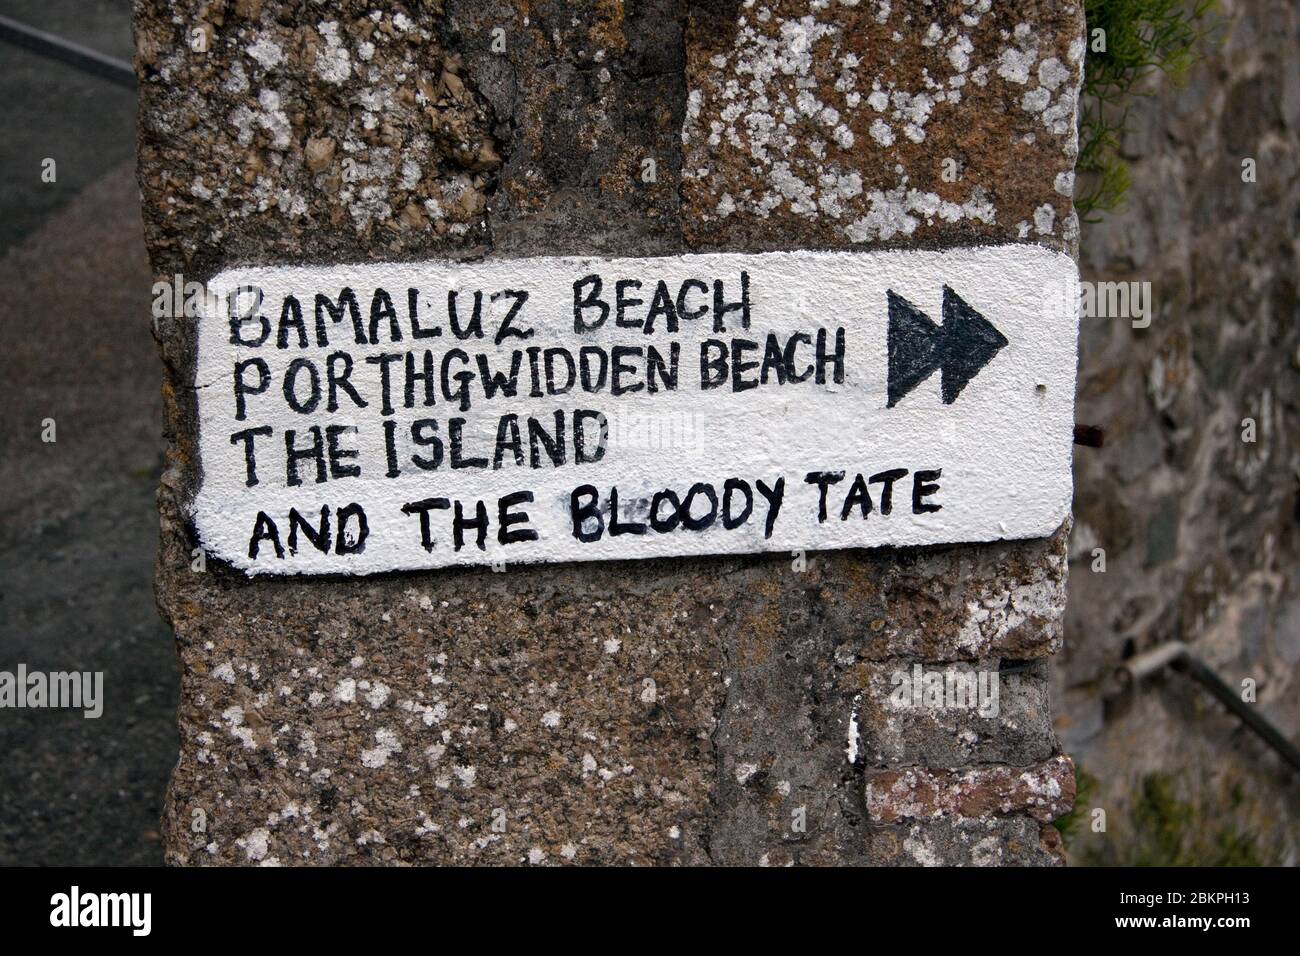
<point x="78" y="526"/>
<point x="52" y="111"/>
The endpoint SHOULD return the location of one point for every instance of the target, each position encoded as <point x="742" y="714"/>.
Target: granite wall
<point x="686" y="711"/>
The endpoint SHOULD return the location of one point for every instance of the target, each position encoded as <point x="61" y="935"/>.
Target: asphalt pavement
<point x="78" y="523"/>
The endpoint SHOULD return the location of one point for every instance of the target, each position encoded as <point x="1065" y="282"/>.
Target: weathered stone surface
<point x="907" y="124"/>
<point x="769" y="88"/>
<point x="305" y="133"/>
<point x="399" y="721"/>
<point x="898" y="729"/>
<point x="590" y="102"/>
<point x="1044" y="791"/>
<point x="649" y="712"/>
<point x="995" y="600"/>
<point x="990" y="841"/>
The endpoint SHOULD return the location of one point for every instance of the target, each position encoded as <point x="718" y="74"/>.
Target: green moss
<point x="1163" y="830"/>
<point x="1137" y="37"/>
<point x="1085" y="785"/>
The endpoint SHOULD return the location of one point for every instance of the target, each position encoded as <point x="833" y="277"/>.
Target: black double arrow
<point x="963" y="345"/>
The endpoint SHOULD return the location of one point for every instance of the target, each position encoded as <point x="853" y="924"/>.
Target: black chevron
<point x="964" y="344"/>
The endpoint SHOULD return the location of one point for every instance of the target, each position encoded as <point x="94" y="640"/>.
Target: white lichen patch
<point x="1045" y="219"/>
<point x="333" y="62"/>
<point x="959" y="54"/>
<point x="1035" y="100"/>
<point x="466" y="775"/>
<point x="797" y="104"/>
<point x="274" y="119"/>
<point x="1052" y="73"/>
<point x="255" y="844"/>
<point x="386" y="744"/>
<point x="266" y="52"/>
<point x="881" y="132"/>
<point x="920" y="849"/>
<point x="899" y="211"/>
<point x="377" y="696"/>
<point x="234" y="718"/>
<point x="992" y="616"/>
<point x="1014" y="65"/>
<point x="1070" y="227"/>
<point x="236" y="80"/>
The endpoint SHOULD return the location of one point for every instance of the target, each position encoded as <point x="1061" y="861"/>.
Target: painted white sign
<point x="367" y="418"/>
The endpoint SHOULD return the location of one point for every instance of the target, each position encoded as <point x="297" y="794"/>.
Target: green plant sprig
<point x="1137" y="37"/>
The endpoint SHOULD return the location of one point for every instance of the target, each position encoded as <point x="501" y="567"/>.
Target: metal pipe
<point x="1195" y="668"/>
<point x="74" y="54"/>
<point x="1177" y="655"/>
<point x="1148" y="662"/>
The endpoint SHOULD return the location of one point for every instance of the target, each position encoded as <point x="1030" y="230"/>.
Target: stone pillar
<point x="728" y="710"/>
